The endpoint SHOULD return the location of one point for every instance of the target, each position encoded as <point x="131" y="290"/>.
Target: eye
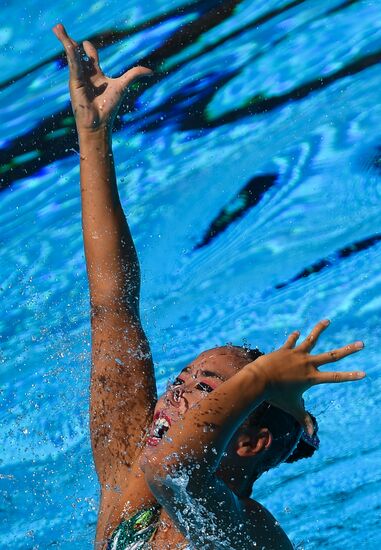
<point x="204" y="387"/>
<point x="177" y="382"/>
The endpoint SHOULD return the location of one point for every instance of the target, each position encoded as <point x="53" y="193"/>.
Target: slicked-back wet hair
<point x="284" y="428"/>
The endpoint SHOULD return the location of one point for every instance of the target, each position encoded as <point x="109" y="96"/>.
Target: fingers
<point x="302" y="416"/>
<point x="71" y="49"/>
<point x="336" y="377"/>
<point x="337" y="354"/>
<point x="91" y="52"/>
<point x="309" y="343"/>
<point x="134" y="74"/>
<point x="307" y="424"/>
<point x="291" y="340"/>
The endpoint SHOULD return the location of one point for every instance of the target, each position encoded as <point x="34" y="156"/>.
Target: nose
<point x="176" y="398"/>
<point x="178" y="392"/>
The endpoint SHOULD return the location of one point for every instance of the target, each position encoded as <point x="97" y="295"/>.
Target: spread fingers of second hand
<point x="337" y="354"/>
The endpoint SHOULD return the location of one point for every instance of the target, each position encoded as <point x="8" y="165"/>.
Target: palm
<point x="95" y="98"/>
<point x="292" y="370"/>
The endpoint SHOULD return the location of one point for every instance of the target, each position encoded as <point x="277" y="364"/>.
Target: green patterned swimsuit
<point x="133" y="533"/>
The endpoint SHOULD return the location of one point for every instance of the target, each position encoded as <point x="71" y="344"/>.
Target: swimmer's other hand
<point x="289" y="371"/>
<point x="95" y="97"/>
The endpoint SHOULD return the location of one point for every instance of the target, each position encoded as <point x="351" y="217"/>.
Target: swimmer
<point x="178" y="471"/>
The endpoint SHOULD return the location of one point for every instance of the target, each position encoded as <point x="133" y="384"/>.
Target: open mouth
<point x="161" y="424"/>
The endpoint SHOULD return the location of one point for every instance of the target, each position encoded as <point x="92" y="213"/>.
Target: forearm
<point x="202" y="436"/>
<point x="112" y="263"/>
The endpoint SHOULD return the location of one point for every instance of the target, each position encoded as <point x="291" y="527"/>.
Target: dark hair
<point x="252" y="354"/>
<point x="284" y="428"/>
<point x="303" y="448"/>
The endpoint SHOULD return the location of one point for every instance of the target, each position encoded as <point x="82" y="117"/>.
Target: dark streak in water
<point x="108" y="38"/>
<point x="261" y="20"/>
<point x="246" y="199"/>
<point x="262" y="104"/>
<point x="62" y="146"/>
<point x="185" y="109"/>
<point x="376" y="161"/>
<point x="333" y="259"/>
<point x="345" y="4"/>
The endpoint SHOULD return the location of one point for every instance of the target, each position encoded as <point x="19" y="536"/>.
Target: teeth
<point x="162" y="422"/>
<point x="161" y="426"/>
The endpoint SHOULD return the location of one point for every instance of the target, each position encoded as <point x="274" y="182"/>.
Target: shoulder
<point x="263" y="526"/>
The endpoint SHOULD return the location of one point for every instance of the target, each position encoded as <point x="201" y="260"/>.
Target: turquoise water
<point x="249" y="167"/>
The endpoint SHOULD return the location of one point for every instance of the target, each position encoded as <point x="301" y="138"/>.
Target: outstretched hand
<point x="95" y="97"/>
<point x="290" y="371"/>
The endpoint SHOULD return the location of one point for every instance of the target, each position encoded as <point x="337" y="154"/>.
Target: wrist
<point x="257" y="371"/>
<point x="89" y="135"/>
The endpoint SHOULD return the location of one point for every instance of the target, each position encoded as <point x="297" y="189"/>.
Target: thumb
<point x="308" y="424"/>
<point x="302" y="416"/>
<point x="134" y="74"/>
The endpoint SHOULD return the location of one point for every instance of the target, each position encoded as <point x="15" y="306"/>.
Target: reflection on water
<point x="250" y="170"/>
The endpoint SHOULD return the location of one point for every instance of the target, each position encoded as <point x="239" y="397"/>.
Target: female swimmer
<point x="176" y="472"/>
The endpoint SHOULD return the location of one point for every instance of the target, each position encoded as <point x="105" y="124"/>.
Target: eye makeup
<point x="202" y="386"/>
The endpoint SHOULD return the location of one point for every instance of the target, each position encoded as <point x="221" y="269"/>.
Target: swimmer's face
<point x="208" y="371"/>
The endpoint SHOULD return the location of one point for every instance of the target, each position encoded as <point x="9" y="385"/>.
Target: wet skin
<point x="195" y="382"/>
<point x="208" y="371"/>
<point x="123" y="392"/>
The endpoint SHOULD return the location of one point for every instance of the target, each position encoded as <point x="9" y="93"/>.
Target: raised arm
<point x="280" y="377"/>
<point x="193" y="447"/>
<point x="123" y="392"/>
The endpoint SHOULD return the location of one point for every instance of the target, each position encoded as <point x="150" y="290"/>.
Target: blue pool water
<point x="250" y="170"/>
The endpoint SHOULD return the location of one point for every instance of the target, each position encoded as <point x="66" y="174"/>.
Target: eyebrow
<point x="208" y="373"/>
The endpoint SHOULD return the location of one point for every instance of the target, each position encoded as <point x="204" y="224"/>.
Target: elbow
<point x="159" y="482"/>
<point x="167" y="486"/>
<point x="153" y="476"/>
<point x="174" y="476"/>
<point x="162" y="470"/>
<point x="157" y="470"/>
<point x="173" y="462"/>
<point x="166" y="459"/>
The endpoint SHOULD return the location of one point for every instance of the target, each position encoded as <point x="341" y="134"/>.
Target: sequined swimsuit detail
<point x="135" y="532"/>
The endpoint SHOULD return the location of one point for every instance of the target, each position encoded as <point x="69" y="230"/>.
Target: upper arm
<point x="123" y="390"/>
